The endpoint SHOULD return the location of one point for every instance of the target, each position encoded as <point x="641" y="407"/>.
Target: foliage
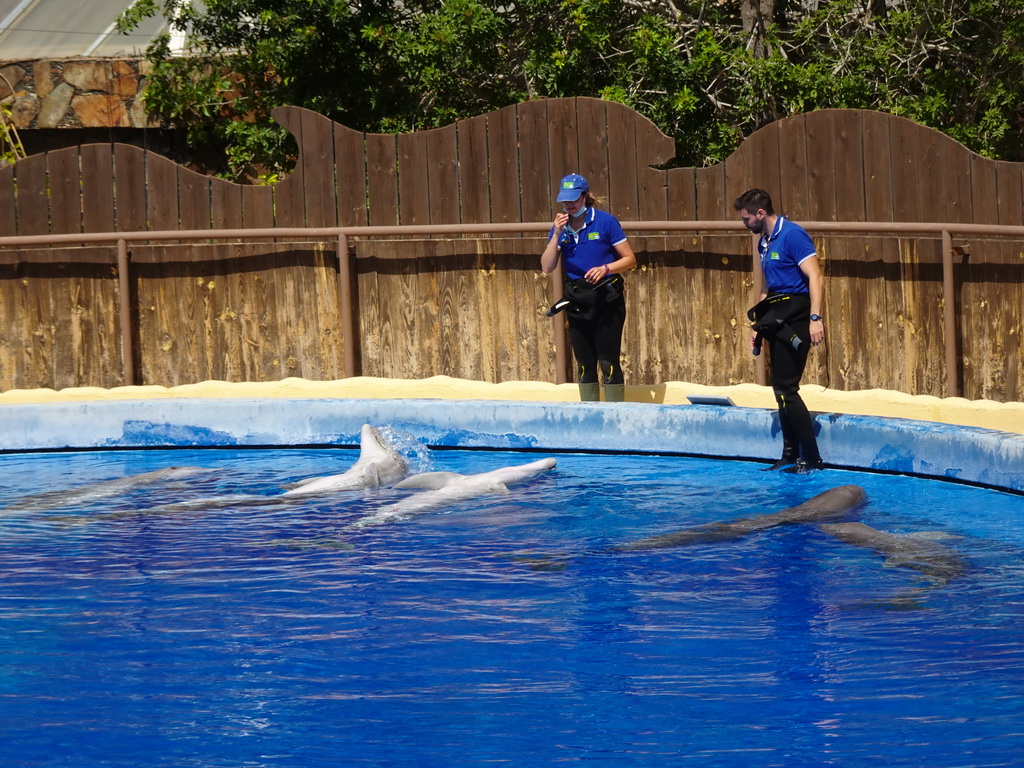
<point x="385" y="65"/>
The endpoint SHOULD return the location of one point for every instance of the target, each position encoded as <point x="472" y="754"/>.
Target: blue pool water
<point x="504" y="629"/>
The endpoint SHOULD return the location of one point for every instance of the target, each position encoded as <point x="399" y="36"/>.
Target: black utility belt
<point x="582" y="299"/>
<point x="773" y="318"/>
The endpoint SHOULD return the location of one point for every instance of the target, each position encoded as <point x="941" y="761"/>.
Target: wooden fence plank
<point x="741" y="167"/>
<point x="535" y="174"/>
<point x="564" y="151"/>
<point x="821" y="189"/>
<point x="906" y="161"/>
<point x="958" y="205"/>
<point x="503" y="164"/>
<point x="225" y="204"/>
<point x="382" y="180"/>
<point x="712" y="197"/>
<point x="764" y="162"/>
<point x="847" y="163"/>
<point x="878" y="171"/>
<point x="194" y="206"/>
<point x="162" y="202"/>
<point x="98" y="187"/>
<point x="130" y="188"/>
<point x="8" y="203"/>
<point x="33" y="202"/>
<point x="257" y="207"/>
<point x="413" y="180"/>
<point x="317" y="158"/>
<point x="682" y="194"/>
<point x="289" y="197"/>
<point x="591" y="149"/>
<point x="623" y="195"/>
<point x="793" y="197"/>
<point x="62" y="168"/>
<point x="474" y="185"/>
<point x="350" y="160"/>
<point x="442" y="175"/>
<point x="653" y="148"/>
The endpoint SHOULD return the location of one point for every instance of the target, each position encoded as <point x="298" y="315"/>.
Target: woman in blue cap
<point x="593" y="248"/>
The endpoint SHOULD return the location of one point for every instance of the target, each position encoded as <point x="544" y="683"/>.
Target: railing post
<point x="949" y="316"/>
<point x="345" y="304"/>
<point x="124" y="287"/>
<point x="556" y="278"/>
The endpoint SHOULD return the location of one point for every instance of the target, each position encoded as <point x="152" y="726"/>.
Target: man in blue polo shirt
<point x="788" y="315"/>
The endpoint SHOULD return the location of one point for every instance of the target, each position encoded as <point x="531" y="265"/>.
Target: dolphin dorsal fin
<point x="429" y="480"/>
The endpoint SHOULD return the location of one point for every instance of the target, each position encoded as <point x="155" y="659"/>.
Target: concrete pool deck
<point x="978" y="442"/>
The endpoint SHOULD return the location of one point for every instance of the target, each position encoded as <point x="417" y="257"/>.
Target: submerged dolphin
<point x="830" y="504"/>
<point x="444" y="488"/>
<point x="918" y="552"/>
<point x="84" y="494"/>
<point x="378" y="464"/>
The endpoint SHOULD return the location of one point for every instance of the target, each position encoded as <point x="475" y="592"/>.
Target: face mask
<point x="582" y="212"/>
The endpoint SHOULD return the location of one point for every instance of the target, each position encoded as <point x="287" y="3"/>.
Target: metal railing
<point x="343" y="235"/>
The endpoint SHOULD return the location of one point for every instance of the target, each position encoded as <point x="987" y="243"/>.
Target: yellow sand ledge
<point x="1007" y="417"/>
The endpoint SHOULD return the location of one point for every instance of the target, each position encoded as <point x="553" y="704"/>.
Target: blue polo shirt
<point x="591" y="246"/>
<point x="782" y="253"/>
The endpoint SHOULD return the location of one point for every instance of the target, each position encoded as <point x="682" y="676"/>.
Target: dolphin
<point x="84" y="494"/>
<point x="939" y="564"/>
<point x="441" y="489"/>
<point x="378" y="464"/>
<point x="833" y="503"/>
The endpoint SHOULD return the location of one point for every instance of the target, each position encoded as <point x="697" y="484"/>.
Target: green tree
<point x="708" y="72"/>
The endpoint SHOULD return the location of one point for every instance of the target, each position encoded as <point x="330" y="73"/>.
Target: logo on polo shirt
<point x="593" y="236"/>
<point x="774" y="255"/>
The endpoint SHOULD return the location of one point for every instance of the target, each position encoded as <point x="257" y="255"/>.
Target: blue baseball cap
<point x="571" y="187"/>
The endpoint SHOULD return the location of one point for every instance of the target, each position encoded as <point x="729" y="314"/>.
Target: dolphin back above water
<point x="831" y="504"/>
<point x="378" y="464"/>
<point x="443" y="488"/>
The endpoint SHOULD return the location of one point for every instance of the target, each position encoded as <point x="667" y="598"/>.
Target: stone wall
<point x="75" y="93"/>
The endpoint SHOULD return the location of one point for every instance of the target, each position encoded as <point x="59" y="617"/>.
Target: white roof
<point x="54" y="29"/>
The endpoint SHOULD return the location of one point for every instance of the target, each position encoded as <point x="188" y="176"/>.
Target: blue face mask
<point x="582" y="212"/>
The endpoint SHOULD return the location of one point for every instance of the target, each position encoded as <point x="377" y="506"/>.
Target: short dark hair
<point x="754" y="200"/>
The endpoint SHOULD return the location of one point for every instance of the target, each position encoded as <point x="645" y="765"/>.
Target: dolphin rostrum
<point x="833" y="503"/>
<point x="443" y="488"/>
<point x="84" y="494"/>
<point x="916" y="551"/>
<point x="378" y="464"/>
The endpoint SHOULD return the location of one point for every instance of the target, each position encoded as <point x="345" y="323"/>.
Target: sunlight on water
<point x="208" y="621"/>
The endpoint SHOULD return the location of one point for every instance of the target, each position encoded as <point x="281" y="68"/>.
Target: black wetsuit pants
<point x="798" y="440"/>
<point x="597" y="342"/>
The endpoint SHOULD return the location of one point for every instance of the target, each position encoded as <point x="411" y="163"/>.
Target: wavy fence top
<point x="842" y="165"/>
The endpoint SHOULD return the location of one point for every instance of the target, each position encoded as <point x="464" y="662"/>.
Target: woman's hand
<point x="597" y="274"/>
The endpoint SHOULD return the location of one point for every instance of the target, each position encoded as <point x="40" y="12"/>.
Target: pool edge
<point x="966" y="454"/>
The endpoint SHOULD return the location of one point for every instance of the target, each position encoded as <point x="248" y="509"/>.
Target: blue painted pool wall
<point x="865" y="442"/>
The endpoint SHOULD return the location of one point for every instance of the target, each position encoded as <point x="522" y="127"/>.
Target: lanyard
<point x="766" y="241"/>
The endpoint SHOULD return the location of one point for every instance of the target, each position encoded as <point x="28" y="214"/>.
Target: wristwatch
<point x="815" y="317"/>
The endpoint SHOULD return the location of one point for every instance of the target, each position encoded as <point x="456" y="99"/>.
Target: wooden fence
<point x="473" y="307"/>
